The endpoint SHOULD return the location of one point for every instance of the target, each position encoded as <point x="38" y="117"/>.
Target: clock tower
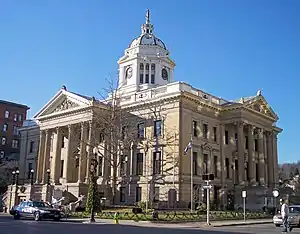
<point x="146" y="62"/>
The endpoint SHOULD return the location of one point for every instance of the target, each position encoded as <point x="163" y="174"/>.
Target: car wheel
<point x="277" y="225"/>
<point x="16" y="215"/>
<point x="37" y="216"/>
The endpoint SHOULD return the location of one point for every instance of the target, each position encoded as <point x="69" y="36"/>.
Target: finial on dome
<point x="258" y="93"/>
<point x="148" y="16"/>
<point x="64" y="87"/>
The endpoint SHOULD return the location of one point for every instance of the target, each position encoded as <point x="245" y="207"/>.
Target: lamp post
<point x="17" y="177"/>
<point x="31" y="176"/>
<point x="13" y="177"/>
<point x="93" y="169"/>
<point x="48" y="176"/>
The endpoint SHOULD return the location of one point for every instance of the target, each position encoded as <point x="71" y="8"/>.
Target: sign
<point x="244" y="194"/>
<point x="275" y="193"/>
<point x="207" y="186"/>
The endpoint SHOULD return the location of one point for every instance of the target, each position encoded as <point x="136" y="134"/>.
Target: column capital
<point x="260" y="133"/>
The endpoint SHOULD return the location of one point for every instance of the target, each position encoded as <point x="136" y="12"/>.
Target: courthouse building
<point x="234" y="140"/>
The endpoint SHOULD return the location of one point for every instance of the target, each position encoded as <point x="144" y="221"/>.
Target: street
<point x="9" y="226"/>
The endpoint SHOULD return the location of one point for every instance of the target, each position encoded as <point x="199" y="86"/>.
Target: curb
<point x="240" y="224"/>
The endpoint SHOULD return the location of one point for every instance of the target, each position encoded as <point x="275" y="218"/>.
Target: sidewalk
<point x="177" y="225"/>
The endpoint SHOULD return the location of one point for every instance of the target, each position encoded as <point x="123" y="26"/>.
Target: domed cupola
<point x="147" y="37"/>
<point x="146" y="62"/>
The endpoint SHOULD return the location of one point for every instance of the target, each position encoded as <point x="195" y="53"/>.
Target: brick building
<point x="12" y="116"/>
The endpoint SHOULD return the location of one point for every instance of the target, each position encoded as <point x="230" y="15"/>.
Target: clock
<point x="164" y="74"/>
<point x="128" y="73"/>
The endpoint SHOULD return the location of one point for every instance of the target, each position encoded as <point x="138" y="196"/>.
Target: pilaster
<point x="241" y="152"/>
<point x="222" y="154"/>
<point x="261" y="158"/>
<point x="251" y="161"/>
<point x="270" y="159"/>
<point x="57" y="156"/>
<point x="82" y="157"/>
<point x="68" y="167"/>
<point x="275" y="157"/>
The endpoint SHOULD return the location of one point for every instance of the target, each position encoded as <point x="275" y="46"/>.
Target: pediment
<point x="63" y="102"/>
<point x="259" y="104"/>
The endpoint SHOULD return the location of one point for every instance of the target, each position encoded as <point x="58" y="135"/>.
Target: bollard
<point x="116" y="217"/>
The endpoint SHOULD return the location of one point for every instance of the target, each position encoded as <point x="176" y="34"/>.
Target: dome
<point x="147" y="37"/>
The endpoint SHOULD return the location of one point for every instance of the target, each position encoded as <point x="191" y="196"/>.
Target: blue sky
<point x="229" y="48"/>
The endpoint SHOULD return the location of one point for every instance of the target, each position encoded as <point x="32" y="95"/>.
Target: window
<point x="122" y="194"/>
<point x="152" y="79"/>
<point x="51" y="144"/>
<point x="61" y="168"/>
<point x="123" y="164"/>
<point x="147" y="66"/>
<point x="147" y="79"/>
<point x="3" y="141"/>
<point x="2" y="154"/>
<point x="236" y="139"/>
<point x="226" y="137"/>
<point x="195" y="130"/>
<point x="157" y="128"/>
<point x="236" y="171"/>
<point x="124" y="132"/>
<point x="15" y="144"/>
<point x="215" y="134"/>
<point x="15" y="130"/>
<point x="205" y="163"/>
<point x="216" y="166"/>
<point x="101" y="137"/>
<point x="20" y="118"/>
<point x="205" y="131"/>
<point x="141" y="130"/>
<point x="100" y="171"/>
<point x="31" y="145"/>
<point x="139" y="163"/>
<point x="246" y="142"/>
<point x="141" y="78"/>
<point x="5" y="127"/>
<point x="256" y="172"/>
<point x="195" y="163"/>
<point x="15" y="117"/>
<point x="156" y="194"/>
<point x="138" y="194"/>
<point x="6" y="115"/>
<point x="227" y="167"/>
<point x="256" y="145"/>
<point x="157" y="163"/>
<point x="63" y="142"/>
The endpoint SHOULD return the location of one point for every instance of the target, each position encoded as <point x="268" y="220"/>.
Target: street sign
<point x="275" y="193"/>
<point x="207" y="186"/>
<point x="244" y="194"/>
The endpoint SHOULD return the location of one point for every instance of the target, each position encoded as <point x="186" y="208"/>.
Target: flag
<point x="189" y="146"/>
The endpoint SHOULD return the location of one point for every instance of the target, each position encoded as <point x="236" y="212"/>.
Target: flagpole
<point x="192" y="175"/>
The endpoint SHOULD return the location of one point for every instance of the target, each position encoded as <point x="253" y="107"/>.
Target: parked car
<point x="294" y="217"/>
<point x="35" y="209"/>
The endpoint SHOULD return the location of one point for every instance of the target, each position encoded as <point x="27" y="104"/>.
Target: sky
<point x="229" y="48"/>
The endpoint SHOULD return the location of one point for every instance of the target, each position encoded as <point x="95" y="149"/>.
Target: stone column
<point x="261" y="158"/>
<point x="275" y="158"/>
<point x="39" y="168"/>
<point x="82" y="156"/>
<point x="69" y="155"/>
<point x="222" y="155"/>
<point x="46" y="164"/>
<point x="57" y="156"/>
<point x="270" y="159"/>
<point x="266" y="159"/>
<point x="89" y="153"/>
<point x="241" y="152"/>
<point x="251" y="161"/>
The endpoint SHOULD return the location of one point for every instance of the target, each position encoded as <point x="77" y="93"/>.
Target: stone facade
<point x="234" y="140"/>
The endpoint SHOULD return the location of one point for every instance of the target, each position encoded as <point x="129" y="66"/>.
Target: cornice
<point x="201" y="102"/>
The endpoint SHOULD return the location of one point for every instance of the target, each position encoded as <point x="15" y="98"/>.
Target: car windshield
<point x="39" y="204"/>
<point x="294" y="209"/>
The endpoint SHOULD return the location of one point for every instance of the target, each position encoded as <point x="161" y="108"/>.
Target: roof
<point x="14" y="104"/>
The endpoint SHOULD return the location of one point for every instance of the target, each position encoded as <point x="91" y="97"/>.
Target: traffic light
<point x="207" y="177"/>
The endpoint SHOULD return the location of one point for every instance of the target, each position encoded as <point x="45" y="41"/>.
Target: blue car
<point x="35" y="209"/>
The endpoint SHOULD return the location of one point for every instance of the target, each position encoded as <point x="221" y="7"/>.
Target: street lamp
<point x="13" y="179"/>
<point x="48" y="176"/>
<point x="17" y="177"/>
<point x="31" y="176"/>
<point x="93" y="168"/>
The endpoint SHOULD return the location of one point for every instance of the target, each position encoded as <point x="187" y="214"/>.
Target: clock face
<point x="164" y="74"/>
<point x="128" y="73"/>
